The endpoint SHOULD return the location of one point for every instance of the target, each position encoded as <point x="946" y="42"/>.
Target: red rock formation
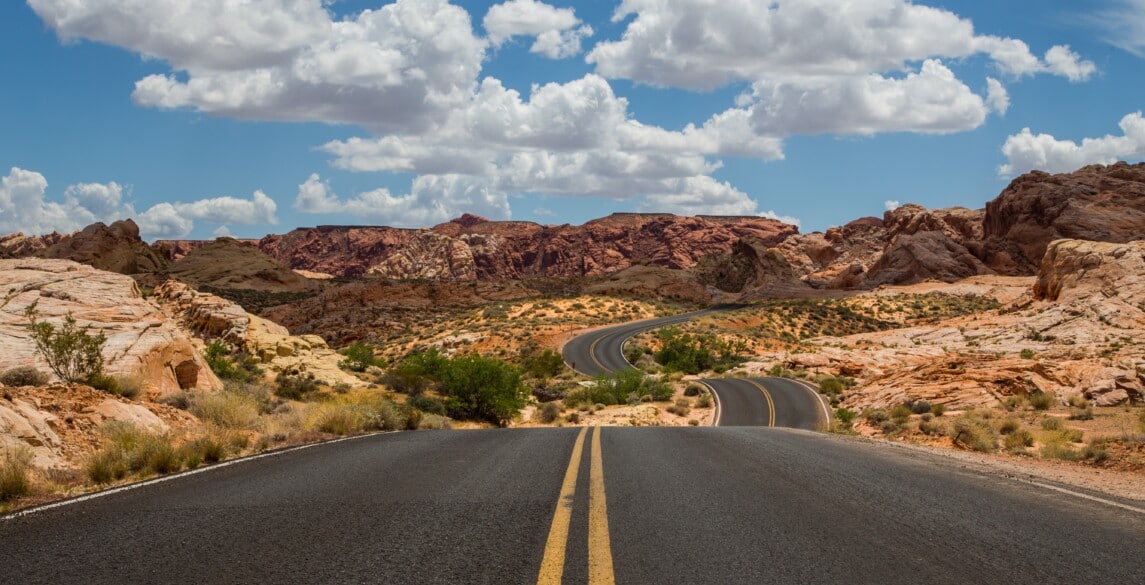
<point x="115" y="248"/>
<point x="1098" y="203"/>
<point x="18" y="245"/>
<point x="510" y="250"/>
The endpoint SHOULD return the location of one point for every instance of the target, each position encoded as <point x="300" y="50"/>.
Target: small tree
<point x="359" y="357"/>
<point x="71" y="353"/>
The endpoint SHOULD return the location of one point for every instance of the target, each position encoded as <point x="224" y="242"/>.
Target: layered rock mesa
<point x="227" y="263"/>
<point x="115" y="248"/>
<point x="142" y="342"/>
<point x="473" y="248"/>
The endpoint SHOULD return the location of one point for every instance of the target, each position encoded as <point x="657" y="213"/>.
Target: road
<point x="637" y="505"/>
<point x="741" y="402"/>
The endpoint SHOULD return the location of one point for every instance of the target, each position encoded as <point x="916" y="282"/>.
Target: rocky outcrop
<point x="142" y="343"/>
<point x="514" y="250"/>
<point x="18" y="245"/>
<point x="226" y="263"/>
<point x="212" y="317"/>
<point x="115" y="248"/>
<point x="1075" y="270"/>
<point x="750" y="266"/>
<point x="1097" y="203"/>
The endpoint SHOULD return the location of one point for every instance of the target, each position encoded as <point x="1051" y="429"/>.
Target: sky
<point x="203" y="118"/>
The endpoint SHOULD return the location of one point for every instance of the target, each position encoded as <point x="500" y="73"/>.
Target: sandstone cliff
<point x="142" y="342"/>
<point x="226" y="263"/>
<point x="115" y="248"/>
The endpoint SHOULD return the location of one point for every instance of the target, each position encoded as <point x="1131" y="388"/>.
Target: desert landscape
<point x="1009" y="335"/>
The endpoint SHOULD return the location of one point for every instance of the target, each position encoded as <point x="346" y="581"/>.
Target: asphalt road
<point x="741" y="402"/>
<point x="637" y="505"/>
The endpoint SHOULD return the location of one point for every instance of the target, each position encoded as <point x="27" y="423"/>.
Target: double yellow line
<point x="599" y="547"/>
<point x="770" y="402"/>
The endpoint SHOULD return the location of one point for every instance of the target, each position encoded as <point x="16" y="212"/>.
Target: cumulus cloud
<point x="432" y="199"/>
<point x="24" y="205"/>
<point x="930" y="101"/>
<point x="574" y="139"/>
<point x="1027" y="151"/>
<point x="558" y="31"/>
<point x="177" y="220"/>
<point x="891" y="204"/>
<point x="996" y="96"/>
<point x="399" y="67"/>
<point x="703" y="45"/>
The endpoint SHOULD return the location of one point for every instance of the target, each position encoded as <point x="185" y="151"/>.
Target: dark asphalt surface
<point x="685" y="505"/>
<point x="742" y="402"/>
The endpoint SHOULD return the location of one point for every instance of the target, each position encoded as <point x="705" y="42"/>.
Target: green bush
<point x="294" y="386"/>
<point x="695" y="353"/>
<point x="1027" y="354"/>
<point x="1009" y="426"/>
<point x="845" y="416"/>
<point x="543" y="364"/>
<point x="23" y="376"/>
<point x="482" y="388"/>
<point x="15" y="465"/>
<point x="426" y="404"/>
<point x="72" y="354"/>
<point x="359" y="357"/>
<point x="227" y="365"/>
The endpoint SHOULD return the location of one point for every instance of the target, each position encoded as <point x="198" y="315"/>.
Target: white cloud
<point x="558" y="31"/>
<point x="399" y="67"/>
<point x="891" y="204"/>
<point x="1027" y="151"/>
<point x="1060" y="60"/>
<point x="930" y="101"/>
<point x="24" y="205"/>
<point x="699" y="44"/>
<point x="222" y="232"/>
<point x="432" y="199"/>
<point x="164" y="221"/>
<point x="996" y="96"/>
<point x="177" y="220"/>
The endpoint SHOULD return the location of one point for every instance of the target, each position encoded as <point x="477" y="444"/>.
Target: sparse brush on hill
<point x="23" y="376"/>
<point x="231" y="365"/>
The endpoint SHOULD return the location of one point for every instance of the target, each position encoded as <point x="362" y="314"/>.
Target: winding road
<point x="769" y="402"/>
<point x="740" y="505"/>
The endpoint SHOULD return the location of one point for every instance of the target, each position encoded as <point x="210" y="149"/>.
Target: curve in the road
<point x="740" y="401"/>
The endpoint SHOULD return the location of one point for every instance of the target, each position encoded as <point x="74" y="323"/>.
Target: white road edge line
<point x="719" y="405"/>
<point x="818" y="397"/>
<point x="1083" y="496"/>
<point x="158" y="480"/>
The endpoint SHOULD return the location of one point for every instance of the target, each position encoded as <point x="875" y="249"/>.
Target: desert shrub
<point x="694" y="353"/>
<point x="1078" y="401"/>
<point x="1052" y="423"/>
<point x="547" y="391"/>
<point x="482" y="388"/>
<point x="1095" y="451"/>
<point x="900" y="414"/>
<point x="127" y="387"/>
<point x="1018" y="440"/>
<point x="128" y="449"/>
<point x="929" y="426"/>
<point x="226" y="408"/>
<point x="427" y="404"/>
<point x="1059" y="450"/>
<point x="573" y="418"/>
<point x="543" y="364"/>
<point x="71" y="352"/>
<point x="679" y="410"/>
<point x="433" y="422"/>
<point x="15" y="465"/>
<point x="295" y="386"/>
<point x="549" y="412"/>
<point x="876" y="416"/>
<point x="975" y="433"/>
<point x="845" y="416"/>
<point x="1041" y="400"/>
<point x="205" y="449"/>
<point x="336" y="419"/>
<point x="694" y="389"/>
<point x="1009" y="426"/>
<point x="938" y="409"/>
<point x="1085" y="413"/>
<point x="359" y="357"/>
<point x="236" y="366"/>
<point x="1013" y="402"/>
<point x="23" y="376"/>
<point x="1027" y="354"/>
<point x="919" y="406"/>
<point x="633" y="352"/>
<point x="831" y="386"/>
<point x="704" y="401"/>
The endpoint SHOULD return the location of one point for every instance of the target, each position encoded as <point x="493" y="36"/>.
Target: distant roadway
<point x="768" y="402"/>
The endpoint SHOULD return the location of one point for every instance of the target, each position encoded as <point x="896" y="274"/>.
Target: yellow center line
<point x="599" y="547"/>
<point x="553" y="563"/>
<point x="592" y="353"/>
<point x="770" y="402"/>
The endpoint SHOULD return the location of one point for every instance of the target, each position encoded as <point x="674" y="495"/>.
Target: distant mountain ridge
<point x="749" y="255"/>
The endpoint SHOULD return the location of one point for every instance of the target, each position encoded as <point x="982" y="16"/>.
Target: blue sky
<point x="207" y="117"/>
